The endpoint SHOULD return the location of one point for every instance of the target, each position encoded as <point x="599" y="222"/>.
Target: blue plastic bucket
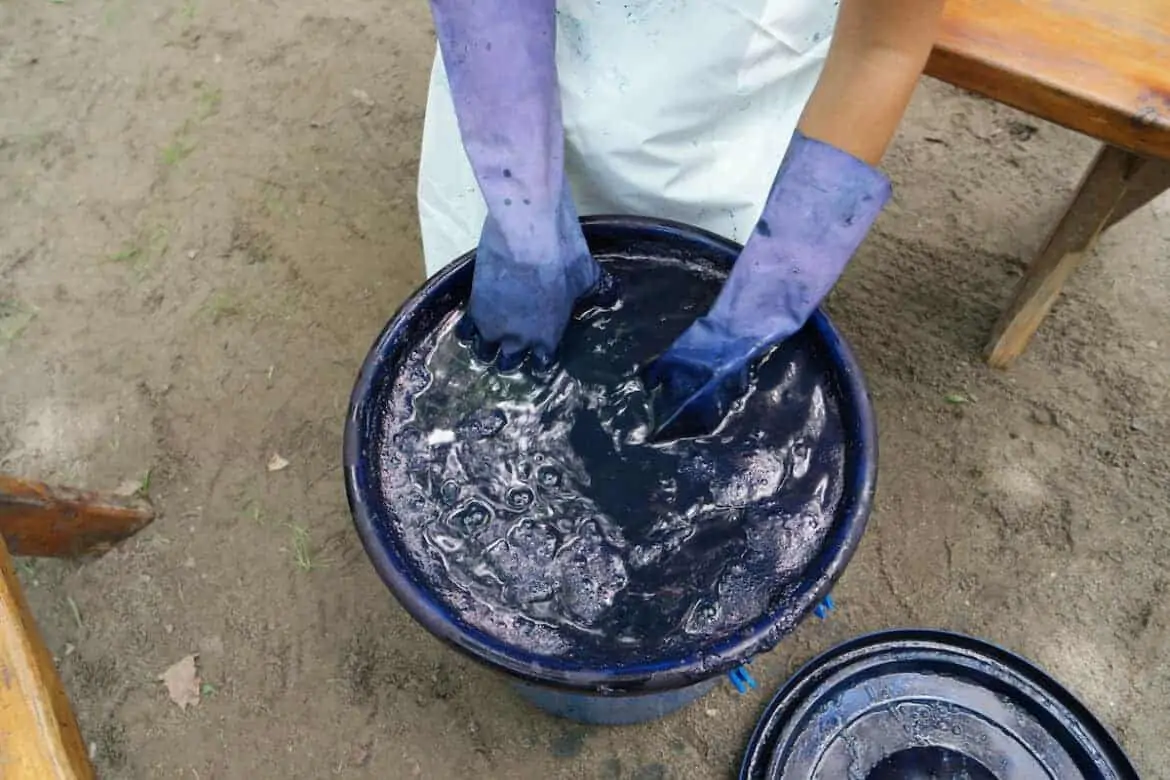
<point x="624" y="691"/>
<point x="916" y="703"/>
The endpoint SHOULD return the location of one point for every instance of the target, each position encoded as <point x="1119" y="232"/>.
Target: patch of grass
<point x="207" y="104"/>
<point x="29" y="143"/>
<point x="259" y="252"/>
<point x="159" y="241"/>
<point x="144" y="486"/>
<point x="137" y="255"/>
<point x="221" y="306"/>
<point x="130" y="255"/>
<point x="115" y="13"/>
<point x="207" y="690"/>
<point x="302" y="549"/>
<point x="177" y="150"/>
<point x="958" y="399"/>
<point x="273" y="203"/>
<point x="274" y="206"/>
<point x="210" y="100"/>
<point x="188" y="10"/>
<point x="76" y="612"/>
<point x="252" y="509"/>
<point x="27" y="567"/>
<point x="15" y="316"/>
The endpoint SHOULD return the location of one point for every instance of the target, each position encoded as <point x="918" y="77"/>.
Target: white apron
<point x="679" y="109"/>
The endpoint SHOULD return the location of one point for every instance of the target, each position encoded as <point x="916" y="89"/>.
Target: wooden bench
<point x="1100" y="67"/>
<point x="39" y="739"/>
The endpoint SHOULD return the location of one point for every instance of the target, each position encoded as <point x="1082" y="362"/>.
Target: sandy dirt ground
<point x="206" y="215"/>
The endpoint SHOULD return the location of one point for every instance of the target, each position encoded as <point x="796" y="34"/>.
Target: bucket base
<point x="611" y="710"/>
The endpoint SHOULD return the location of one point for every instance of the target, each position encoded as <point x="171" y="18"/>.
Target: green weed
<point x="302" y="549"/>
<point x="144" y="485"/>
<point x="177" y="150"/>
<point x="131" y="255"/>
<point x="221" y="306"/>
<point x="14" y="318"/>
<point x="209" y="101"/>
<point x="148" y="246"/>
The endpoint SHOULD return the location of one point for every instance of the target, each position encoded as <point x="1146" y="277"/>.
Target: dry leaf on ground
<point x="182" y="681"/>
<point x="276" y="463"/>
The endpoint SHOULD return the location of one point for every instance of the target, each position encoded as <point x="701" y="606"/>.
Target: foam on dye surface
<point x="539" y="514"/>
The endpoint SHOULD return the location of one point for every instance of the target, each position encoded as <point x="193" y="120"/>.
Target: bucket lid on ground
<point x="913" y="704"/>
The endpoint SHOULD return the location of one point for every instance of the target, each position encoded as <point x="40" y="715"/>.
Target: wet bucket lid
<point x="924" y="704"/>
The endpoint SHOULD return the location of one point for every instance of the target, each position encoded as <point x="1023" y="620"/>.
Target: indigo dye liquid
<point x="538" y="512"/>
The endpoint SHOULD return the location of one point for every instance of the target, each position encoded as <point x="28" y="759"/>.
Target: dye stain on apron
<point x="676" y="109"/>
<point x="540" y="515"/>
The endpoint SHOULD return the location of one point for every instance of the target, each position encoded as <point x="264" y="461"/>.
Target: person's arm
<point x="823" y="201"/>
<point x="878" y="51"/>
<point x="532" y="264"/>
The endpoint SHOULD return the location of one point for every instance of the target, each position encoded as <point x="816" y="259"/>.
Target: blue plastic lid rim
<point x="418" y="314"/>
<point x="1104" y="754"/>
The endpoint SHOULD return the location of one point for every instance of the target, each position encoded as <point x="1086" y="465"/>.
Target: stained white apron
<point x="680" y="109"/>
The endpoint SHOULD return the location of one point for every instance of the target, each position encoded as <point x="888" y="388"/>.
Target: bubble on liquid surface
<point x="518" y="498"/>
<point x="548" y="477"/>
<point x="539" y="513"/>
<point x="702" y="616"/>
<point x="449" y="492"/>
<point x="471" y="518"/>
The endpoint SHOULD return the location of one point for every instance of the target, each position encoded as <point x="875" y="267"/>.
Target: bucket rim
<point x="637" y="677"/>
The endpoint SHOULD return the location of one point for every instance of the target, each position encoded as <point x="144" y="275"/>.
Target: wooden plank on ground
<point x="39" y="739"/>
<point x="43" y="520"/>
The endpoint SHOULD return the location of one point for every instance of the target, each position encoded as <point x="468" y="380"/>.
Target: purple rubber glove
<point x="532" y="265"/>
<point x="821" y="206"/>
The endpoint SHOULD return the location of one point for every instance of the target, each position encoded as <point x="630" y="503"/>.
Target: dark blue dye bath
<point x="532" y="525"/>
<point x="540" y="512"/>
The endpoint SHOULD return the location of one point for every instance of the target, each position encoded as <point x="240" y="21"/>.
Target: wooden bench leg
<point x="1150" y="180"/>
<point x="1117" y="183"/>
<point x="39" y="739"/>
<point x="47" y="521"/>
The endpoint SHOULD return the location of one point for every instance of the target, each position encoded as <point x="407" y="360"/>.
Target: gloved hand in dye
<point x="532" y="265"/>
<point x="819" y="210"/>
